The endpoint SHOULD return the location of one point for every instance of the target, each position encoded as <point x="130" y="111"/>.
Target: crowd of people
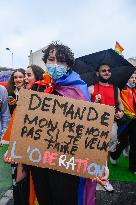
<point x="50" y="184"/>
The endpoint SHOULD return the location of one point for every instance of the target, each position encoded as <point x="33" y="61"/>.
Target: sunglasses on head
<point x="106" y="70"/>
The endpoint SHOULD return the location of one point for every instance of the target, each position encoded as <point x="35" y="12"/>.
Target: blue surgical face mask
<point x="131" y="85"/>
<point x="55" y="71"/>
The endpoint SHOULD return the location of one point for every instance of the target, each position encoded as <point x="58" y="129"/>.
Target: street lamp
<point x="8" y="49"/>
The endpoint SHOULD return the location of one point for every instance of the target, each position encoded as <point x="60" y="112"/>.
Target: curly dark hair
<point x="63" y="53"/>
<point x="38" y="71"/>
<point x="11" y="85"/>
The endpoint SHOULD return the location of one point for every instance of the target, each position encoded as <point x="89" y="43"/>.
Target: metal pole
<point x="11" y="56"/>
<point x="12" y="60"/>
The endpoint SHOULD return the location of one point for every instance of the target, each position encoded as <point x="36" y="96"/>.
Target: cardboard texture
<point x="63" y="134"/>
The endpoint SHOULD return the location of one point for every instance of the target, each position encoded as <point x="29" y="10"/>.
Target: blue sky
<point x="86" y="26"/>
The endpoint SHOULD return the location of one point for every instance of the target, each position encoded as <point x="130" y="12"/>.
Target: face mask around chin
<point x="55" y="71"/>
<point x="131" y="85"/>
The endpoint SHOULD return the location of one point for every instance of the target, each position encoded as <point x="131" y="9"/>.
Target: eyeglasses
<point x="106" y="70"/>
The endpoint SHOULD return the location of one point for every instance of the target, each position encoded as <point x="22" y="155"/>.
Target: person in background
<point x="21" y="78"/>
<point x="53" y="187"/>
<point x="33" y="73"/>
<point x="4" y="112"/>
<point x="128" y="133"/>
<point x="14" y="84"/>
<point x="103" y="92"/>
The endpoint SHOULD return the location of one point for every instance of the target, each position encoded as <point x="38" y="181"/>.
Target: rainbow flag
<point x="118" y="48"/>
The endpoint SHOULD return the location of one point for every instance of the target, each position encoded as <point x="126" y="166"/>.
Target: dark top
<point x="12" y="107"/>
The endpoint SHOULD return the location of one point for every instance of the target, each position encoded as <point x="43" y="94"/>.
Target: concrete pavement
<point x="7" y="198"/>
<point x="124" y="194"/>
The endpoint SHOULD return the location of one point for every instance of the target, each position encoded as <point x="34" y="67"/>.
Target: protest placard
<point x="63" y="134"/>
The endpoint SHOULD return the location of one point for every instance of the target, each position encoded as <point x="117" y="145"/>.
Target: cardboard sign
<point x="63" y="134"/>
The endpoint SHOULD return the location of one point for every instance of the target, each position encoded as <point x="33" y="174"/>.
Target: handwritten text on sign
<point x="61" y="133"/>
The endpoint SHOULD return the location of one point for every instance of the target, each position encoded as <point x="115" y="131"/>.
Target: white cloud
<point x="86" y="26"/>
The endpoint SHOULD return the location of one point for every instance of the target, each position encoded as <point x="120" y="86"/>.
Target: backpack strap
<point x="116" y="97"/>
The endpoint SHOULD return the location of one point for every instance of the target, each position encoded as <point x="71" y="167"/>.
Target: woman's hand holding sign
<point x="8" y="160"/>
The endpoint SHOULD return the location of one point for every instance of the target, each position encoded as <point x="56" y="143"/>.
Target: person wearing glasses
<point x="104" y="93"/>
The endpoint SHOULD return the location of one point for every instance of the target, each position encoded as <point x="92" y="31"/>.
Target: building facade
<point x="132" y="61"/>
<point x="36" y="58"/>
